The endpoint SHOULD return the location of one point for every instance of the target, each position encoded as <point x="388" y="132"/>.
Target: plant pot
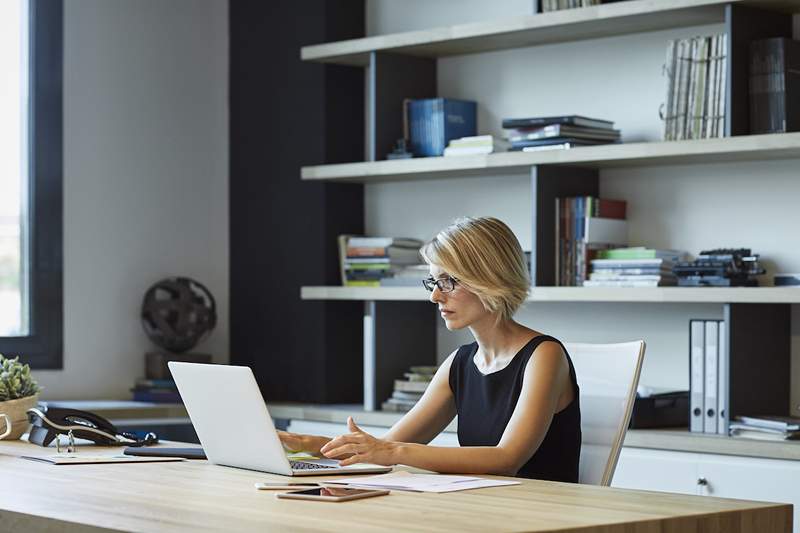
<point x="16" y="411"/>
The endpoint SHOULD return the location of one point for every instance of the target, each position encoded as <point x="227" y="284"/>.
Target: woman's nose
<point x="436" y="295"/>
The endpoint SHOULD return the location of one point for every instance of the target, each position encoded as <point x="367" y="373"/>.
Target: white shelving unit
<point x="416" y="51"/>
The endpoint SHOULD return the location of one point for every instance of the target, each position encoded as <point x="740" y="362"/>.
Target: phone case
<point x="299" y="496"/>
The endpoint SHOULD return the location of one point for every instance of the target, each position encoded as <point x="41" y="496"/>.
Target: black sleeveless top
<point x="485" y="404"/>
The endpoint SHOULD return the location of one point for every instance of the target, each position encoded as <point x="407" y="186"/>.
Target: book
<point x="749" y="432"/>
<point x="451" y="151"/>
<point x="694" y="103"/>
<point x="562" y="130"/>
<point x="383" y="242"/>
<point x="573" y="142"/>
<point x="433" y="122"/>
<point x="774" y="85"/>
<point x="410" y="386"/>
<point x="778" y="423"/>
<point x="580" y="234"/>
<point x="368" y="261"/>
<point x="404" y="395"/>
<point x="413" y="376"/>
<point x="640" y="252"/>
<point x="574" y="120"/>
<point x="630" y="277"/>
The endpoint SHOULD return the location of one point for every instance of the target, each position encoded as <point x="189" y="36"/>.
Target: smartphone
<point x="332" y="494"/>
<point x="286" y="485"/>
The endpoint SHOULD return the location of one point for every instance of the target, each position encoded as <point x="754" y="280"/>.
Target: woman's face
<point x="459" y="308"/>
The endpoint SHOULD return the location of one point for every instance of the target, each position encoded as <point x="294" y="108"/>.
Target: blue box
<point x="434" y="122"/>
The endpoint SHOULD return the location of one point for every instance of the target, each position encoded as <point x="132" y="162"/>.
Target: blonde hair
<point x="485" y="257"/>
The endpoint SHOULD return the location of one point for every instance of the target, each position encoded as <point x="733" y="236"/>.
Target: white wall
<point x="145" y="178"/>
<point x="686" y="207"/>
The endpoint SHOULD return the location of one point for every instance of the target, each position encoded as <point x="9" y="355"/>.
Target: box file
<point x="696" y="375"/>
<point x="723" y="420"/>
<point x="711" y="377"/>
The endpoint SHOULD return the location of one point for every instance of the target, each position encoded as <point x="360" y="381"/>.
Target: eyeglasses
<point x="447" y="284"/>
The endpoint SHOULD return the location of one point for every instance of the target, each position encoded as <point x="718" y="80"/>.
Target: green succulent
<point x="15" y="380"/>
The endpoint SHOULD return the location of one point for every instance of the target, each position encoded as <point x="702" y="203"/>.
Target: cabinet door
<point x="656" y="470"/>
<point x="748" y="478"/>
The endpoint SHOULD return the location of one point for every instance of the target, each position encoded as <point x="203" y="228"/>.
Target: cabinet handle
<point x="702" y="481"/>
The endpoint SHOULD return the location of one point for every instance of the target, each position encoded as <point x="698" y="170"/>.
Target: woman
<point x="514" y="389"/>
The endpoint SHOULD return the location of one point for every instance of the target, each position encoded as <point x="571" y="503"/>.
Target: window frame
<point x="42" y="348"/>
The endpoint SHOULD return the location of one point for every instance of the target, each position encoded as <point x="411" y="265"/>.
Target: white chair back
<point x="608" y="375"/>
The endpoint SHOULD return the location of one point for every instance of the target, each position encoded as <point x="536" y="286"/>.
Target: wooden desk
<point x="198" y="496"/>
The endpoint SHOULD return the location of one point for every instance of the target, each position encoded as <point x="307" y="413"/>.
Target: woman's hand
<point x="294" y="442"/>
<point x="360" y="447"/>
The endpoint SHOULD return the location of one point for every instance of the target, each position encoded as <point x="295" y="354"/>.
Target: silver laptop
<point x="234" y="426"/>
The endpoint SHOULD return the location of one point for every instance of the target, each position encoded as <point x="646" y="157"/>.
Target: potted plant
<point x="18" y="393"/>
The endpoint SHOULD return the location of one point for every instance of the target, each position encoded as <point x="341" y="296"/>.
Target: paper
<point x="83" y="459"/>
<point x="421" y="482"/>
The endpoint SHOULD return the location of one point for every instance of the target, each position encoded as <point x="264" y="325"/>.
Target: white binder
<point x="712" y="355"/>
<point x="696" y="374"/>
<point x="723" y="364"/>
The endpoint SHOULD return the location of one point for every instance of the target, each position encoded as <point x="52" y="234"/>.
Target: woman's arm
<point x="546" y="376"/>
<point x="423" y="422"/>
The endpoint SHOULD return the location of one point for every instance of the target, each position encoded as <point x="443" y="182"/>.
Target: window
<point x="31" y="299"/>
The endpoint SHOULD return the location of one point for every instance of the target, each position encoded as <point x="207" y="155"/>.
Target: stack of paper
<point x="421" y="482"/>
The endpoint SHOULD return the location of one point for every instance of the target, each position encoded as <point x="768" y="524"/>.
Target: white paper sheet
<point x="421" y="482"/>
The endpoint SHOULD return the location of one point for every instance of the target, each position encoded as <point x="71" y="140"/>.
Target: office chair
<point x="608" y="375"/>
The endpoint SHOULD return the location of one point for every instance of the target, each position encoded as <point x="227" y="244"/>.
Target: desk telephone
<point x="49" y="422"/>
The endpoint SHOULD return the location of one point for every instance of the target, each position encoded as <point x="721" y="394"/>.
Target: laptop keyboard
<point x="300" y="465"/>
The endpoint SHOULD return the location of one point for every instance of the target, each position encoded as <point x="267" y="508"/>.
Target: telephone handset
<point x="49" y="422"/>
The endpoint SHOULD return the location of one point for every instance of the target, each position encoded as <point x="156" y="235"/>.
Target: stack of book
<point x="774" y="86"/>
<point x="408" y="391"/>
<point x="380" y="261"/>
<point x="555" y="5"/>
<point x="156" y="391"/>
<point x="480" y="144"/>
<point x="583" y="226"/>
<point x="633" y="267"/>
<point x="766" y="427"/>
<point x="549" y="133"/>
<point x="695" y="100"/>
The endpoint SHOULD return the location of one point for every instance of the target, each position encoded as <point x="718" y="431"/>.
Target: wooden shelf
<point x="770" y="295"/>
<point x="730" y="149"/>
<point x="608" y="20"/>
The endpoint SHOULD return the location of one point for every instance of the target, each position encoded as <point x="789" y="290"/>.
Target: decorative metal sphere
<point x="178" y="313"/>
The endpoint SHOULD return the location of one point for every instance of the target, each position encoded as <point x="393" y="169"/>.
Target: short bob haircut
<point x="485" y="257"/>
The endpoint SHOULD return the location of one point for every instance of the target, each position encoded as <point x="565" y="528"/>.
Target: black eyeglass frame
<point x="447" y="284"/>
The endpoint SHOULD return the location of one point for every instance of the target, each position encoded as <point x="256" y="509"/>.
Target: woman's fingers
<point x="351" y="425"/>
<point x="342" y="439"/>
<point x="354" y="459"/>
<point x="345" y="449"/>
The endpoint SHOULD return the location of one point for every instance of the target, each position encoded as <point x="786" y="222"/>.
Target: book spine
<point x="722" y="108"/>
<point x="669" y="72"/>
<point x="696" y="375"/>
